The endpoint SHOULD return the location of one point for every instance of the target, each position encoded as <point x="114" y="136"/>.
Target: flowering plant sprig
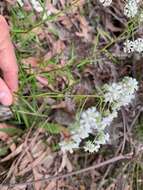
<point x="93" y="146"/>
<point x="93" y="122"/>
<point x="121" y="93"/>
<point x="90" y="122"/>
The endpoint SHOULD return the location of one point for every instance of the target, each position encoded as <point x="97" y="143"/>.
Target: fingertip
<point x="7" y="99"/>
<point x="5" y="95"/>
<point x="4" y="28"/>
<point x="2" y="20"/>
<point x="11" y="79"/>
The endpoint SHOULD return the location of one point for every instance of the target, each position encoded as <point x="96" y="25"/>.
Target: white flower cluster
<point x="121" y="93"/>
<point x="106" y="3"/>
<point x="101" y="139"/>
<point x="134" y="46"/>
<point x="140" y="17"/>
<point x="68" y="145"/>
<point x="131" y="8"/>
<point x="93" y="122"/>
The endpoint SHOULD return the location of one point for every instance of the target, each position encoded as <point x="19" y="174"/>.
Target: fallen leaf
<point x="65" y="163"/>
<point x="63" y="117"/>
<point x="51" y="185"/>
<point x="85" y="29"/>
<point x="57" y="48"/>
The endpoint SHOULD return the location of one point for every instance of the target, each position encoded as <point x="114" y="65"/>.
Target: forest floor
<point x="65" y="53"/>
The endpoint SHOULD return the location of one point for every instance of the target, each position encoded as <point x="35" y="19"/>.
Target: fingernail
<point x="2" y="94"/>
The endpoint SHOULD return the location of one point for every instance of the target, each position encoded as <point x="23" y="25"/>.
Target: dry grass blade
<point x="13" y="154"/>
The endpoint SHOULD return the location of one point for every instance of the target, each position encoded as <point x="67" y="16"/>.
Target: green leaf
<point x="11" y="131"/>
<point x="52" y="128"/>
<point x="3" y="151"/>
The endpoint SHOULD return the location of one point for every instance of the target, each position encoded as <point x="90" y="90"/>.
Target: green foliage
<point x="11" y="131"/>
<point x="52" y="128"/>
<point x="3" y="151"/>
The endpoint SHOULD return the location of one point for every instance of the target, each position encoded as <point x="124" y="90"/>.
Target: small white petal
<point x="20" y="2"/>
<point x="106" y="3"/>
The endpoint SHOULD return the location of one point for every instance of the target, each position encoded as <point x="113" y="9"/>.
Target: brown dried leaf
<point x="66" y="22"/>
<point x="65" y="163"/>
<point x="85" y="29"/>
<point x="57" y="48"/>
<point x="63" y="117"/>
<point x="43" y="82"/>
<point x="68" y="105"/>
<point x="51" y="185"/>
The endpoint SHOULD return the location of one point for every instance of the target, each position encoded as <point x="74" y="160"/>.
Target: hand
<point x="8" y="65"/>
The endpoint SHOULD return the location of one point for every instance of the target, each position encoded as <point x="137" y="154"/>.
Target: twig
<point x="110" y="161"/>
<point x="136" y="117"/>
<point x="125" y="134"/>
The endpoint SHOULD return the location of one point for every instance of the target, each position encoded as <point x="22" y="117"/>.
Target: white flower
<point x="68" y="146"/>
<point x="37" y="5"/>
<point x="81" y="132"/>
<point x="131" y="84"/>
<point x="93" y="122"/>
<point x="106" y="121"/>
<point x="131" y="8"/>
<point x="106" y="2"/>
<point x="141" y="17"/>
<point x="90" y="119"/>
<point x="102" y="138"/>
<point x="91" y="147"/>
<point x="112" y="92"/>
<point x="76" y="138"/>
<point x="138" y="45"/>
<point x="129" y="46"/>
<point x="20" y="2"/>
<point x="120" y="94"/>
